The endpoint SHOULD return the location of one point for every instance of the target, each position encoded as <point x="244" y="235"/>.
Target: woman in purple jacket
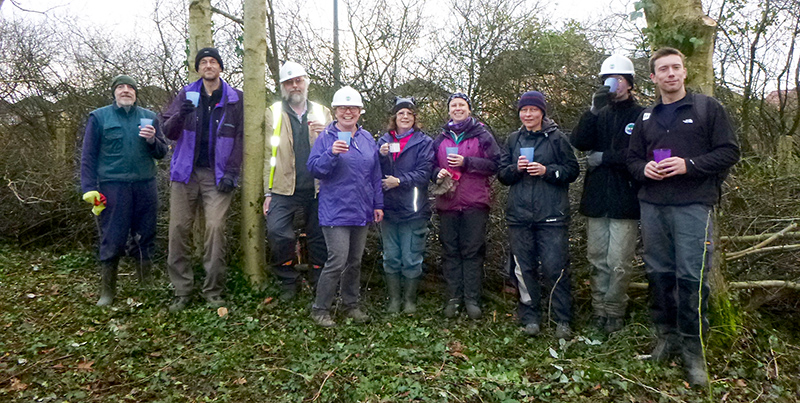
<point x="406" y="155"/>
<point x="468" y="156"/>
<point x="345" y="160"/>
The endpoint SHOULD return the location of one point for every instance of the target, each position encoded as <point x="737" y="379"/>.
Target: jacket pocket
<point x="112" y="140"/>
<point x="227" y="130"/>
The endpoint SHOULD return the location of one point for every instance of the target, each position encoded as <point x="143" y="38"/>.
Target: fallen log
<point x="742" y="285"/>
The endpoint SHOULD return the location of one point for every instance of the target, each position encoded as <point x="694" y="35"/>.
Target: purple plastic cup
<point x="661" y="154"/>
<point x="145" y="122"/>
<point x="451" y="150"/>
<point x="527" y="152"/>
<point x="612" y="83"/>
<point x="193" y="96"/>
<point x="345" y="136"/>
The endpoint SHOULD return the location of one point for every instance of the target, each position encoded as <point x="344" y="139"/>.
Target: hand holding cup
<point x="147" y="131"/>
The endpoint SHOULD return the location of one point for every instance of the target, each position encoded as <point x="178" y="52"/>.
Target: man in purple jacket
<point x="205" y="119"/>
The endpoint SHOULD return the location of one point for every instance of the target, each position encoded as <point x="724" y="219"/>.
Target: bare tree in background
<point x="758" y="58"/>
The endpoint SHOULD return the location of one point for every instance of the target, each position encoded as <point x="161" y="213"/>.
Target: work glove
<point x="594" y="159"/>
<point x="187" y="107"/>
<point x="600" y="99"/>
<point x="225" y="185"/>
<point x="97" y="200"/>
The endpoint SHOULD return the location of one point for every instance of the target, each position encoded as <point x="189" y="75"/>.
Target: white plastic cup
<point x="612" y="83"/>
<point x="451" y="150"/>
<point x="145" y="122"/>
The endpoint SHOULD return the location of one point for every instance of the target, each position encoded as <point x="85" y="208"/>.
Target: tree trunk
<point x="255" y="103"/>
<point x="200" y="35"/>
<point x="681" y="24"/>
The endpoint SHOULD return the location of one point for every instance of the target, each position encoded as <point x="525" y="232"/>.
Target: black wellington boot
<point x="108" y="282"/>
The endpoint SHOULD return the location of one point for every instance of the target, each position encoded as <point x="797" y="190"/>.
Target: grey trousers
<point x="184" y="200"/>
<point x="611" y="244"/>
<point x="342" y="270"/>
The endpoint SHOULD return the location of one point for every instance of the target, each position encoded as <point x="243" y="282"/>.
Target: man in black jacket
<point x="680" y="150"/>
<point x="609" y="191"/>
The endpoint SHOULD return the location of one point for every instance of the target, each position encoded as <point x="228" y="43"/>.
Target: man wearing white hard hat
<point x="293" y="125"/>
<point x="609" y="198"/>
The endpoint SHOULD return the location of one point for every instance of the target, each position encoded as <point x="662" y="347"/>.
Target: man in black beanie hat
<point x="205" y="120"/>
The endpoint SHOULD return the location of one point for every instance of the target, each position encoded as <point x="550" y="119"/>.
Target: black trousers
<point x="463" y="237"/>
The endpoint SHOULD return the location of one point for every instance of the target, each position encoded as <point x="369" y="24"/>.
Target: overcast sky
<point x="121" y="16"/>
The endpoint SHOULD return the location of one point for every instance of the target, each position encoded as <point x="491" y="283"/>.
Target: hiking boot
<point x="473" y="310"/>
<point x="614" y="324"/>
<point x="178" y="304"/>
<point x="693" y="362"/>
<point x="216" y="301"/>
<point x="410" y="295"/>
<point x="358" y="315"/>
<point x="393" y="288"/>
<point x="108" y="282"/>
<point x="531" y="329"/>
<point x="451" y="309"/>
<point x="323" y="319"/>
<point x="667" y="346"/>
<point x="599" y="322"/>
<point x="563" y="331"/>
<point x="288" y="292"/>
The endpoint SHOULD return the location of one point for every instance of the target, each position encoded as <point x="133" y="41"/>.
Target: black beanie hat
<point x="533" y="98"/>
<point x="459" y="95"/>
<point x="208" y="52"/>
<point x="400" y="103"/>
<point x="123" y="79"/>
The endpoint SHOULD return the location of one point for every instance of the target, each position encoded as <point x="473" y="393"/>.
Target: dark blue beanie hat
<point x="533" y="98"/>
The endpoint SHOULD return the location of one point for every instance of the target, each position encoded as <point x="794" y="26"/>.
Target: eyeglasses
<point x="353" y="109"/>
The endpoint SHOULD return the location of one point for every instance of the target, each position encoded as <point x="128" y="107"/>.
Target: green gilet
<point x="123" y="155"/>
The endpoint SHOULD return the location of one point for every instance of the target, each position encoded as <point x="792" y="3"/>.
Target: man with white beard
<point x="293" y="125"/>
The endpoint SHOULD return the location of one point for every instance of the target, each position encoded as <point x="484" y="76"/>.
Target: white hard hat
<point x="290" y="70"/>
<point x="617" y="64"/>
<point x="347" y="96"/>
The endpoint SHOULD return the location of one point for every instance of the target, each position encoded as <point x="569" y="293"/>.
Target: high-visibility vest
<point x="277" y="116"/>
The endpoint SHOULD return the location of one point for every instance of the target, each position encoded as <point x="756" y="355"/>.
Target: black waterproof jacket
<point x="539" y="199"/>
<point x="707" y="144"/>
<point x="609" y="190"/>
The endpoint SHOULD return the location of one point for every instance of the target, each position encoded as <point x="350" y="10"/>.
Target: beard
<point x="294" y="98"/>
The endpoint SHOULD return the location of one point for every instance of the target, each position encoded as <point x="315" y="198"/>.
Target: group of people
<point x="658" y="167"/>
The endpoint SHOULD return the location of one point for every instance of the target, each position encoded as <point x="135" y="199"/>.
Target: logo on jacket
<point x="646" y="116"/>
<point x="688" y="121"/>
<point x="629" y="129"/>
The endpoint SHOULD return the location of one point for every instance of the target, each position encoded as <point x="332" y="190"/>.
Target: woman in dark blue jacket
<point x="406" y="155"/>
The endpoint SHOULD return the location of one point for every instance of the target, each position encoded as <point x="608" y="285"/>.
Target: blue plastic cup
<point x="527" y="152"/>
<point x="145" y="122"/>
<point x="345" y="136"/>
<point x="612" y="83"/>
<point x="451" y="150"/>
<point x="193" y="96"/>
